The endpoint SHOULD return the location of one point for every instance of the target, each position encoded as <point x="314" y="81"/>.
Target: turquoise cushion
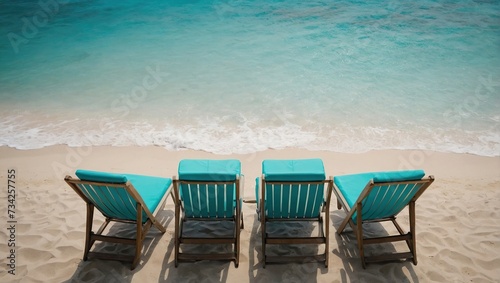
<point x="352" y="185"/>
<point x="209" y="170"/>
<point x="150" y="188"/>
<point x="294" y="170"/>
<point x="96" y="176"/>
<point x="395" y="176"/>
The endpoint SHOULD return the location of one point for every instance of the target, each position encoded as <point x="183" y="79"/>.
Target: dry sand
<point x="458" y="220"/>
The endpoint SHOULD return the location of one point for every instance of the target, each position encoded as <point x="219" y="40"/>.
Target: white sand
<point x="458" y="220"/>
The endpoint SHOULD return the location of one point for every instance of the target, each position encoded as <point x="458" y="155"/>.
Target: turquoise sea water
<point x="240" y="76"/>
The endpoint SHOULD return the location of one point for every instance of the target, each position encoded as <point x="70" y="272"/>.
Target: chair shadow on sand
<point x="206" y="270"/>
<point x="347" y="250"/>
<point x="288" y="272"/>
<point x="343" y="247"/>
<point x="90" y="270"/>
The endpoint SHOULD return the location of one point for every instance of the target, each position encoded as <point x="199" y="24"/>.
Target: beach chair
<point x="377" y="197"/>
<point x="127" y="198"/>
<point x="208" y="191"/>
<point x="294" y="191"/>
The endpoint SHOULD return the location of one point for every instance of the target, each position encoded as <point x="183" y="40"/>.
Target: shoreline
<point x="66" y="159"/>
<point x="457" y="219"/>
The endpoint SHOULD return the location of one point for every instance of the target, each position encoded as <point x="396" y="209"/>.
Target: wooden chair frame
<point x="357" y="226"/>
<point x="184" y="240"/>
<point x="323" y="237"/>
<point x="141" y="228"/>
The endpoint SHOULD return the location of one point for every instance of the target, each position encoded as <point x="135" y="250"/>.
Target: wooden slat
<point x="194" y="257"/>
<point x="292" y="241"/>
<point x="200" y="241"/>
<point x="305" y="258"/>
<point x="389" y="257"/>
<point x="107" y="256"/>
<point x="112" y="239"/>
<point x="315" y="219"/>
<point x="386" y="239"/>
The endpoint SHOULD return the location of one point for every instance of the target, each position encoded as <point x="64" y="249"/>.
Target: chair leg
<point x="177" y="233"/>
<point x="88" y="230"/>
<point x="138" y="249"/>
<point x="412" y="232"/>
<point x="359" y="235"/>
<point x="343" y="225"/>
<point x="339" y="204"/>
<point x="138" y="237"/>
<point x="159" y="226"/>
<point x="263" y="231"/>
<point x="326" y="235"/>
<point x="241" y="225"/>
<point x="237" y="253"/>
<point x="237" y="227"/>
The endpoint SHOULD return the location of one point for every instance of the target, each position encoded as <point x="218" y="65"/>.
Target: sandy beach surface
<point x="458" y="220"/>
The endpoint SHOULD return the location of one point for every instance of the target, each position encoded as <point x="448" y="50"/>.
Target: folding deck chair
<point x="208" y="190"/>
<point x="127" y="198"/>
<point x="377" y="197"/>
<point x="294" y="190"/>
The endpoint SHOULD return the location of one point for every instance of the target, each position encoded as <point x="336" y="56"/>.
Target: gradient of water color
<point x="242" y="76"/>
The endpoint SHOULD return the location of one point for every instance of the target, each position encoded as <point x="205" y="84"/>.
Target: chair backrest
<point x="209" y="188"/>
<point x="388" y="199"/>
<point x="386" y="194"/>
<point x="293" y="188"/>
<point x="110" y="193"/>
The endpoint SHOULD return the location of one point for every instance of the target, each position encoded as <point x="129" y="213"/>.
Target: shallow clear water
<point x="241" y="76"/>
